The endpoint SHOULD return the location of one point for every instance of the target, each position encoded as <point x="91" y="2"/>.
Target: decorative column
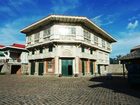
<point x="60" y="68"/>
<point x="56" y="65"/>
<point x="74" y="67"/>
<point x="88" y="67"/>
<point x="44" y="67"/>
<point x="56" y="60"/>
<point x="80" y="67"/>
<point x="77" y="65"/>
<point x="29" y="68"/>
<point x="36" y="68"/>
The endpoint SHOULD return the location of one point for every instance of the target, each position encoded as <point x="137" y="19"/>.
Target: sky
<point x="120" y="18"/>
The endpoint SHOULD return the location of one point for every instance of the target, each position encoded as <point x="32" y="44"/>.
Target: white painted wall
<point x="56" y="35"/>
<point x="102" y="57"/>
<point x="68" y="50"/>
<point x="24" y="57"/>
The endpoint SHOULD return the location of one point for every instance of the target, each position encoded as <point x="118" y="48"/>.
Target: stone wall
<point x="116" y="69"/>
<point x="24" y="69"/>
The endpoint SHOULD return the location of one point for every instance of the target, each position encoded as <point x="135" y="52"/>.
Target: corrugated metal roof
<point x="135" y="48"/>
<point x="132" y="55"/>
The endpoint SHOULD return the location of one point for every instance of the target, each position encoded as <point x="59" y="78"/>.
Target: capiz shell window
<point x="47" y="32"/>
<point x="37" y="36"/>
<point x="29" y="39"/>
<point x="87" y="35"/>
<point x="103" y="43"/>
<point x="66" y="30"/>
<point x="95" y="40"/>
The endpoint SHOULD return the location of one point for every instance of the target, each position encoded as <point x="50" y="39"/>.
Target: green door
<point x="64" y="68"/>
<point x="32" y="68"/>
<point x="67" y="67"/>
<point x="41" y="67"/>
<point x="91" y="67"/>
<point x="83" y="67"/>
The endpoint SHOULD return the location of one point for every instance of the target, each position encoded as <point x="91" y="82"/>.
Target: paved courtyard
<point x="31" y="90"/>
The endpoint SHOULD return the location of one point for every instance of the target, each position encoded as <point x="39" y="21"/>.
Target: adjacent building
<point x="132" y="63"/>
<point x="13" y="59"/>
<point x="67" y="46"/>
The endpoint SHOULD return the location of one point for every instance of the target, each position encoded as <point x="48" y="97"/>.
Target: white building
<point x="13" y="58"/>
<point x="67" y="46"/>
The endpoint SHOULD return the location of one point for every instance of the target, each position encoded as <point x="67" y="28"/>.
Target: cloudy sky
<point x="120" y="18"/>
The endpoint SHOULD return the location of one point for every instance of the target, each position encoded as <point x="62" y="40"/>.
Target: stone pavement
<point x="33" y="90"/>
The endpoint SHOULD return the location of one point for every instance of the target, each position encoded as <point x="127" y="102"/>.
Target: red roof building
<point x="18" y="45"/>
<point x="1" y="46"/>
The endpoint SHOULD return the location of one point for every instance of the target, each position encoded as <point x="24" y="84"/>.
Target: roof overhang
<point x="11" y="47"/>
<point x="135" y="48"/>
<point x="70" y="19"/>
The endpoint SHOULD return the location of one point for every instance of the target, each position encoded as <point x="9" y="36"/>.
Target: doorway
<point x="99" y="69"/>
<point x="32" y="68"/>
<point x="91" y="67"/>
<point x="16" y="69"/>
<point x="67" y="67"/>
<point x="84" y="66"/>
<point x="40" y="69"/>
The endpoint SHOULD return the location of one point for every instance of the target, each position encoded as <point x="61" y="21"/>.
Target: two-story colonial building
<point x="13" y="59"/>
<point x="67" y="46"/>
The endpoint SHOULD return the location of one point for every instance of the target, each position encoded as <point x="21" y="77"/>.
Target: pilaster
<point x="77" y="65"/>
<point x="29" y="68"/>
<point x="36" y="68"/>
<point x="56" y="65"/>
<point x="88" y="67"/>
<point x="44" y="68"/>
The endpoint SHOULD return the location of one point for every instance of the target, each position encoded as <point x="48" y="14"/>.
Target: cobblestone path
<point x="33" y="90"/>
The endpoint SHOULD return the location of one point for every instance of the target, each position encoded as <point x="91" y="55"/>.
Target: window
<point x="91" y="51"/>
<point x="95" y="40"/>
<point x="50" y="64"/>
<point x="82" y="49"/>
<point x="37" y="37"/>
<point x="33" y="52"/>
<point x="41" y="50"/>
<point x="103" y="43"/>
<point x="73" y="30"/>
<point x="47" y="32"/>
<point x="67" y="30"/>
<point x="87" y="35"/>
<point x="1" y="54"/>
<point x="50" y="48"/>
<point x="108" y="45"/>
<point x="29" y="39"/>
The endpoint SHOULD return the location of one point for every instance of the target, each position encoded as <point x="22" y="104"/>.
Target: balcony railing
<point x="46" y="38"/>
<point x="67" y="37"/>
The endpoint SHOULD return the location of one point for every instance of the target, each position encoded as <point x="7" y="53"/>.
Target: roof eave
<point x="82" y="19"/>
<point x="101" y="30"/>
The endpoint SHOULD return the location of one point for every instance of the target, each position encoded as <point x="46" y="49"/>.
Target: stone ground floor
<point x="66" y="67"/>
<point x="14" y="68"/>
<point x="42" y="90"/>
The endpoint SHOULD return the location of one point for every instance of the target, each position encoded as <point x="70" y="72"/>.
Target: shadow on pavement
<point x="117" y="84"/>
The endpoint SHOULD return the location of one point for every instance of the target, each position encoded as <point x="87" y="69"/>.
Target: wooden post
<point x="123" y="71"/>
